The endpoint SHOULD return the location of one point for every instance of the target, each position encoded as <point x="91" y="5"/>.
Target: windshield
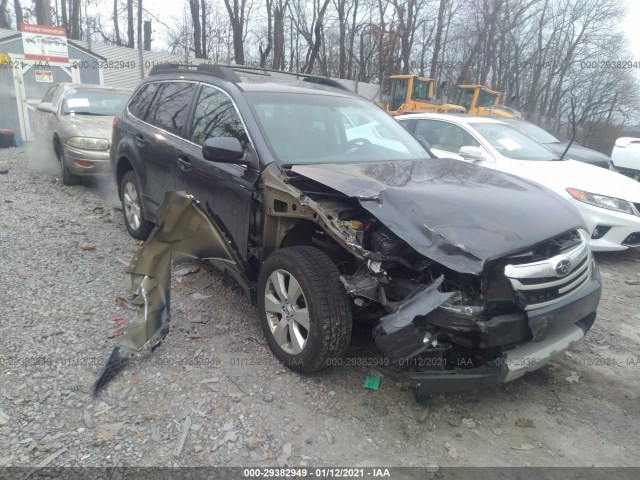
<point x="310" y="128"/>
<point x="535" y="132"/>
<point x="420" y="89"/>
<point x="486" y="99"/>
<point x="511" y="143"/>
<point x="93" y="102"/>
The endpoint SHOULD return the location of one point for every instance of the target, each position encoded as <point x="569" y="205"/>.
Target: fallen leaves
<point x="115" y="331"/>
<point x="200" y="296"/>
<point x="524" y="423"/>
<point x="193" y="335"/>
<point x="87" y="246"/>
<point x="573" y="378"/>
<point x="451" y="450"/>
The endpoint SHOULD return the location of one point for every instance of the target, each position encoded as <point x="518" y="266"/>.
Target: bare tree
<point x="116" y="27"/>
<point x="131" y="41"/>
<point x="237" y="10"/>
<point x="194" y="6"/>
<point x="43" y="12"/>
<point x="4" y="14"/>
<point x="279" y="11"/>
<point x="264" y="53"/>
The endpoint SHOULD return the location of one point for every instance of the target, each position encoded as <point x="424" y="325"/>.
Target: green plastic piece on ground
<point x="372" y="383"/>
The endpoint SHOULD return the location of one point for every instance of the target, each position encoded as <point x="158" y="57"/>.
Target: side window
<point x="216" y="116"/>
<point x="170" y="109"/>
<point x="444" y="136"/>
<point x="139" y="104"/>
<point x="48" y="97"/>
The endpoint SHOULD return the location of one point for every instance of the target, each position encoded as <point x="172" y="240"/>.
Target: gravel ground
<point x="212" y="394"/>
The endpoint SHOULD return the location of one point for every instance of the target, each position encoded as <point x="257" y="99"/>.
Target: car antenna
<point x="573" y="127"/>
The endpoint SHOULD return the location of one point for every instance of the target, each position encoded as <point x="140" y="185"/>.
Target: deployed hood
<point x="559" y="176"/>
<point x="91" y="125"/>
<point x="457" y="214"/>
<point x="582" y="154"/>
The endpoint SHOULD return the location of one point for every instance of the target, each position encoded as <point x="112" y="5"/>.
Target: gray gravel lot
<point x="212" y="394"/>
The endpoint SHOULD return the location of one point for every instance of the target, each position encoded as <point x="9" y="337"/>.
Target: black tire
<point x="68" y="178"/>
<point x="129" y="185"/>
<point x="326" y="302"/>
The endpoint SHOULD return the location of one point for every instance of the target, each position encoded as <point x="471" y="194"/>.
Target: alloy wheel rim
<point x="131" y="205"/>
<point x="287" y="312"/>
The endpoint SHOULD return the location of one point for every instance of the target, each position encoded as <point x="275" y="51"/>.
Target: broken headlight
<point x="602" y="201"/>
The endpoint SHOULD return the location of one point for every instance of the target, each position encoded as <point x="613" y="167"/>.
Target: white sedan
<point x="608" y="201"/>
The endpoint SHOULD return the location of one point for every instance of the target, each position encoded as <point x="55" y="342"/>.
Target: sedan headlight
<point x="603" y="201"/>
<point x="87" y="143"/>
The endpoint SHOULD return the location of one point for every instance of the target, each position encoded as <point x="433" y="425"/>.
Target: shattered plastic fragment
<point x="183" y="230"/>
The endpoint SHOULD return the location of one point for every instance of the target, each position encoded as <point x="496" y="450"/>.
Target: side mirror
<point x="472" y="153"/>
<point x="224" y="150"/>
<point x="46" y="107"/>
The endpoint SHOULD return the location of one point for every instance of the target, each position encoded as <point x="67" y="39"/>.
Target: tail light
<point x="115" y="121"/>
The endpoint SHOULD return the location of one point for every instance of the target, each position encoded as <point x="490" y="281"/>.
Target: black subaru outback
<point x="328" y="212"/>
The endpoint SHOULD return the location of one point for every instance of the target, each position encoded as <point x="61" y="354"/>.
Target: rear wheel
<point x="304" y="309"/>
<point x="132" y="210"/>
<point x="68" y="178"/>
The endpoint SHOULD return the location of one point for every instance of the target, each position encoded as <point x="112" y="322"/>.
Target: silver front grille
<point x="548" y="281"/>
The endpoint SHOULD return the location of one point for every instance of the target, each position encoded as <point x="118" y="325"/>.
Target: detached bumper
<point x="87" y="162"/>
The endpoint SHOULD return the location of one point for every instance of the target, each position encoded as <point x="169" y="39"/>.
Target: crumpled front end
<point x="529" y="308"/>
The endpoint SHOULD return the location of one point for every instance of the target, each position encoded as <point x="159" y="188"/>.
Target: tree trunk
<point x="4" y="15"/>
<point x="116" y="27"/>
<point x="43" y="12"/>
<point x="278" y="34"/>
<point x="342" y="36"/>
<point x="140" y="24"/>
<point x="19" y="15"/>
<point x="147" y="35"/>
<point x="194" y="6"/>
<point x="264" y="53"/>
<point x="131" y="42"/>
<point x="63" y="14"/>
<point x="236" y="17"/>
<point x="438" y="40"/>
<point x="317" y="32"/>
<point x="205" y="50"/>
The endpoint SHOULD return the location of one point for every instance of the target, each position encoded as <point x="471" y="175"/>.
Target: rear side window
<point x="216" y="116"/>
<point x="170" y="109"/>
<point x="140" y="102"/>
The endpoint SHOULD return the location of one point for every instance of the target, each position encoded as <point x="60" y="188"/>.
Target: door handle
<point x="184" y="164"/>
<point x="140" y="140"/>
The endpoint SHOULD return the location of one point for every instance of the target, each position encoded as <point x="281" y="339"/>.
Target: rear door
<point x="168" y="113"/>
<point x="224" y="189"/>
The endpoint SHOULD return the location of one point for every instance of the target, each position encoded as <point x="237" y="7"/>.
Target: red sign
<point x="44" y="43"/>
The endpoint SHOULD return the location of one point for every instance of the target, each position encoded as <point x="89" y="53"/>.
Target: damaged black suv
<point x="327" y="211"/>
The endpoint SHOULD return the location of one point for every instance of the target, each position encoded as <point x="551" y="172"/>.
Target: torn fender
<point x="183" y="230"/>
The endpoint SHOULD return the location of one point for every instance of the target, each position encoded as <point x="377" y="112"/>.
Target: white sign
<point x="44" y="76"/>
<point x="44" y="43"/>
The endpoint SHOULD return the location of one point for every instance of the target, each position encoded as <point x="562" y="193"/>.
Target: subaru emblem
<point x="563" y="267"/>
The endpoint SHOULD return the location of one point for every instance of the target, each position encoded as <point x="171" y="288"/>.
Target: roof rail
<point x="216" y="70"/>
<point x="230" y="72"/>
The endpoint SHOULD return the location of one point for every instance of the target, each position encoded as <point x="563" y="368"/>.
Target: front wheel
<point x="304" y="309"/>
<point x="134" y="220"/>
<point x="68" y="179"/>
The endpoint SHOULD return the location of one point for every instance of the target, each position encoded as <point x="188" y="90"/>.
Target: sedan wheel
<point x="68" y="178"/>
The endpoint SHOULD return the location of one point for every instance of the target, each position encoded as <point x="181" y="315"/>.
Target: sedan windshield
<point x="511" y="143"/>
<point x="93" y="102"/>
<point x="534" y="131"/>
<point x="307" y="128"/>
